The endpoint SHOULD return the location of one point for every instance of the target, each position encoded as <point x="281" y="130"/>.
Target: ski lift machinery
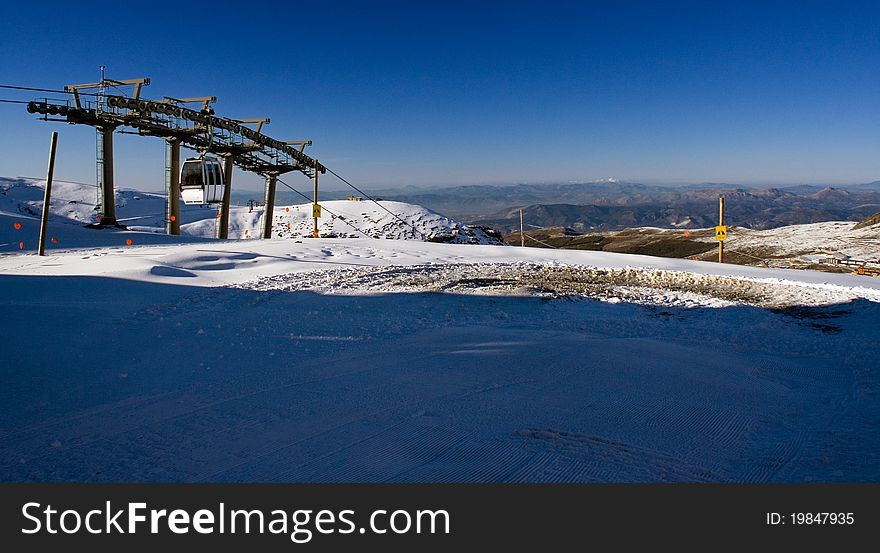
<point x="202" y="181"/>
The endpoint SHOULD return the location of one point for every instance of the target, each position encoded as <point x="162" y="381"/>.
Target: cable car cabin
<point x="201" y="181"/>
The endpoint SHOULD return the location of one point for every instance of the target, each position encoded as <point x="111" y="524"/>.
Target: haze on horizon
<point x="394" y="94"/>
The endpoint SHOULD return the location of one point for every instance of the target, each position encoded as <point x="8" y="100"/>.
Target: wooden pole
<point x="172" y="186"/>
<point x="223" y="227"/>
<point x="721" y="224"/>
<point x="44" y="220"/>
<point x="522" y="236"/>
<point x="315" y="207"/>
<point x="269" y="205"/>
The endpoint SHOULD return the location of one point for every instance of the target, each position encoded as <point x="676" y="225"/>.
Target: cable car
<point x="201" y="181"/>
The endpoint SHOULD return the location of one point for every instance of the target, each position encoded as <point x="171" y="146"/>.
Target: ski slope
<point x="377" y="360"/>
<point x="278" y="361"/>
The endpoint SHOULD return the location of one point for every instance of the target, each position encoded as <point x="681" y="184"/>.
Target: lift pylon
<point x="169" y="119"/>
<point x="104" y="147"/>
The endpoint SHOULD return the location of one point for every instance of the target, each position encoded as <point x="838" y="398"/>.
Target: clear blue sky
<point x="396" y="93"/>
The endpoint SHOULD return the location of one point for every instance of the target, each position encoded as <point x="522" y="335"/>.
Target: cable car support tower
<point x="199" y="129"/>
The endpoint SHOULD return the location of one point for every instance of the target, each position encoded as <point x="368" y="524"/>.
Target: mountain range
<point x="616" y="205"/>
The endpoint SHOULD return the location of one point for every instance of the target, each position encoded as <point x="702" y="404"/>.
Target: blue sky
<point x="398" y="93"/>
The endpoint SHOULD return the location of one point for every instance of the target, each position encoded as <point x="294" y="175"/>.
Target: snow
<point x="73" y="205"/>
<point x="187" y="359"/>
<point x="217" y="263"/>
<point x="354" y="219"/>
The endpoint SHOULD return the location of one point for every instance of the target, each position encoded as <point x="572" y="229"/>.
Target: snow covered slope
<point x="351" y="219"/>
<point x="73" y="204"/>
<point x="371" y="360"/>
<point x="258" y="361"/>
<point x="76" y="203"/>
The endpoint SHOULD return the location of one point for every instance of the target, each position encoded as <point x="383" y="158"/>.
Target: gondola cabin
<point x="201" y="181"/>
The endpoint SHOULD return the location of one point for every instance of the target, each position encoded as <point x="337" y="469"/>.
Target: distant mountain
<point x="661" y="205"/>
<point x="874" y="186"/>
<point x="803" y="189"/>
<point x="478" y="201"/>
<point x="688" y="209"/>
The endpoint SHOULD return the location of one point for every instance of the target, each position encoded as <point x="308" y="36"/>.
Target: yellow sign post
<point x="316" y="208"/>
<point x="721" y="230"/>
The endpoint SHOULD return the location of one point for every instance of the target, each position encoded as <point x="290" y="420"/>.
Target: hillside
<point x="871" y="221"/>
<point x="351" y="219"/>
<point x="73" y="205"/>
<point x="797" y="246"/>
